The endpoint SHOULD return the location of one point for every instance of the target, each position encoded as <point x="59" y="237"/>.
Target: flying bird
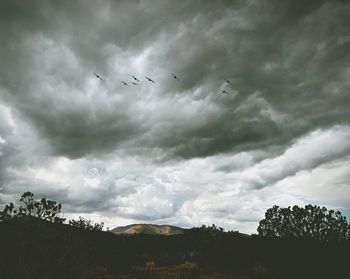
<point x="134" y="83"/>
<point x="150" y="79"/>
<point x="123" y="82"/>
<point x="229" y="82"/>
<point x="98" y="76"/>
<point x="175" y="77"/>
<point x="229" y="93"/>
<point x="136" y="79"/>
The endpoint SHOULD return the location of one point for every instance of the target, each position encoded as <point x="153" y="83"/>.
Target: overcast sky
<point x="178" y="151"/>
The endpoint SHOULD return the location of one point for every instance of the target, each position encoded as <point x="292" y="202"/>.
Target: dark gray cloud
<point x="288" y="62"/>
<point x="287" y="53"/>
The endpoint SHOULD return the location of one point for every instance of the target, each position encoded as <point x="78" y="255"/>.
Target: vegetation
<point x="207" y="230"/>
<point x="41" y="247"/>
<point x="33" y="248"/>
<point x="85" y="224"/>
<point x="212" y="231"/>
<point x="44" y="209"/>
<point x="47" y="210"/>
<point x="310" y="222"/>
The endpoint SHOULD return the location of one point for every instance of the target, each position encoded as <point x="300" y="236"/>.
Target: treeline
<point x="310" y="222"/>
<point x="47" y="210"/>
<point x="35" y="243"/>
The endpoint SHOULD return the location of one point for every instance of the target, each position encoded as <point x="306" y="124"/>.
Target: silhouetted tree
<point x="210" y="231"/>
<point x="43" y="209"/>
<point x="86" y="224"/>
<point x="311" y="222"/>
<point x="8" y="213"/>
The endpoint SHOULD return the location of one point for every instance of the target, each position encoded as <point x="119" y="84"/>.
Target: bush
<point x="188" y="271"/>
<point x="85" y="224"/>
<point x="210" y="231"/>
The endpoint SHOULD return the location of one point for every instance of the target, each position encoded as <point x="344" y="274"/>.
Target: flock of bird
<point x="136" y="81"/>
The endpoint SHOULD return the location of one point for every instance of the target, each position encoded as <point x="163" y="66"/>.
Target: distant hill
<point x="148" y="229"/>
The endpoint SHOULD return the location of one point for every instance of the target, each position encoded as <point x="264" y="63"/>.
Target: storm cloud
<point x="176" y="151"/>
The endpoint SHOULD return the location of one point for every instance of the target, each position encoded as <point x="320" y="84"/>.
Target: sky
<point x="177" y="151"/>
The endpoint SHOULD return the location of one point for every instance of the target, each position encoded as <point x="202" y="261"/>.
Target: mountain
<point x="148" y="229"/>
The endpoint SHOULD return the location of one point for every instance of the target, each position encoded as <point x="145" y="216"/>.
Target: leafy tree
<point x="311" y="222"/>
<point x="44" y="209"/>
<point x="85" y="224"/>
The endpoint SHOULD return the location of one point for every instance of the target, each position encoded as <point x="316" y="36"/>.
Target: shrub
<point x="85" y="224"/>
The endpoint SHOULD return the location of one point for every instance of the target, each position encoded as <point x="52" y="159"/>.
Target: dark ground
<point x="32" y="248"/>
